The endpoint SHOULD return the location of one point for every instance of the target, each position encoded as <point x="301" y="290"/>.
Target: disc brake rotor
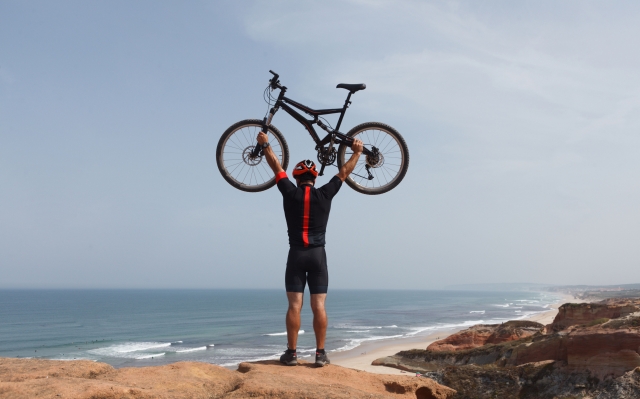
<point x="248" y="159"/>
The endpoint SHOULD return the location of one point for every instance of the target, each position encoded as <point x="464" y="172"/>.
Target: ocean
<point x="151" y="327"/>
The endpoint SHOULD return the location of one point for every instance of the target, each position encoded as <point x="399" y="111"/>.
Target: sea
<point x="128" y="328"/>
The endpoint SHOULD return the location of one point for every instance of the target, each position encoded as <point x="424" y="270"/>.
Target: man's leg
<point x="319" y="318"/>
<point x="293" y="318"/>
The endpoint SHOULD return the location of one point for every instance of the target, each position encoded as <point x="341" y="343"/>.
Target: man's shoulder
<point x="331" y="188"/>
<point x="283" y="182"/>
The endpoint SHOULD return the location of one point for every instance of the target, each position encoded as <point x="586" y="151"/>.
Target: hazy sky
<point x="522" y="119"/>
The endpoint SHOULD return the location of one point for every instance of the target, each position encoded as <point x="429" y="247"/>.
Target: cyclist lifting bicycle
<point x="240" y="154"/>
<point x="306" y="210"/>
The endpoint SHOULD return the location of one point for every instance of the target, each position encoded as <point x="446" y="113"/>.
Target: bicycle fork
<point x="266" y="121"/>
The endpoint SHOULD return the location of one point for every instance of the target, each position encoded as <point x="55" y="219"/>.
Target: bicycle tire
<point x="246" y="132"/>
<point x="392" y="176"/>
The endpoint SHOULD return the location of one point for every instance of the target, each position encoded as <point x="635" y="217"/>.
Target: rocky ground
<point x="591" y="350"/>
<point x="31" y="378"/>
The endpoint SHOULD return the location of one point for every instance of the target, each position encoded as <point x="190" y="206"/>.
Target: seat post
<point x="344" y="109"/>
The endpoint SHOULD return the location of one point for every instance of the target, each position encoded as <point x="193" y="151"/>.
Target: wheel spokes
<point x="390" y="162"/>
<point x="237" y="159"/>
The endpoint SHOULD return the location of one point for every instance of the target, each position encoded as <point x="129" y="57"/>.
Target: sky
<point x="522" y="121"/>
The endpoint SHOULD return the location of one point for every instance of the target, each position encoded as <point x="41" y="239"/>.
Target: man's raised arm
<point x="350" y="165"/>
<point x="272" y="159"/>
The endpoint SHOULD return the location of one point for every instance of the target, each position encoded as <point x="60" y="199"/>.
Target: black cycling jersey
<point x="307" y="210"/>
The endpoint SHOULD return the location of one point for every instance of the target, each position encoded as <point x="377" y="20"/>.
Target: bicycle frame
<point x="333" y="135"/>
<point x="283" y="102"/>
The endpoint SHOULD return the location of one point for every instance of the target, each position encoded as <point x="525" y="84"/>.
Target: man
<point x="307" y="212"/>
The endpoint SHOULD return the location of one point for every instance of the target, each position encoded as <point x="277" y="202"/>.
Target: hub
<point x="248" y="159"/>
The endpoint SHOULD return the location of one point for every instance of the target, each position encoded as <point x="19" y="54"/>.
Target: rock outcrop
<point x="483" y="334"/>
<point x="590" y="350"/>
<point x="585" y="314"/>
<point x="545" y="380"/>
<point x="601" y="351"/>
<point x="31" y="378"/>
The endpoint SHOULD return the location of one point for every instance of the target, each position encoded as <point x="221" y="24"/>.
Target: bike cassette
<point x="375" y="159"/>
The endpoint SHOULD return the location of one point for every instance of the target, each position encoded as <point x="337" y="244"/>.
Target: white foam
<point x="354" y="343"/>
<point x="393" y="326"/>
<point x="128" y="350"/>
<point x="254" y="359"/>
<point x="468" y="323"/>
<point x="477" y="311"/>
<point x="358" y="331"/>
<point x="201" y="348"/>
<point x="149" y="356"/>
<point x="281" y="333"/>
<point x="351" y="326"/>
<point x="227" y="357"/>
<point x="502" y="306"/>
<point x="177" y="342"/>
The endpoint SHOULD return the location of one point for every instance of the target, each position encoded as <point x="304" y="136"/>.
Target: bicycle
<point x="240" y="159"/>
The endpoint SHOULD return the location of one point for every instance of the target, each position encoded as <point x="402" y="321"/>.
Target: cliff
<point x="610" y="349"/>
<point x="31" y="378"/>
<point x="590" y="350"/>
<point x="584" y="314"/>
<point x="482" y="334"/>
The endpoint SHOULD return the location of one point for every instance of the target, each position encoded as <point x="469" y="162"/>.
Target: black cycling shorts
<point x="307" y="264"/>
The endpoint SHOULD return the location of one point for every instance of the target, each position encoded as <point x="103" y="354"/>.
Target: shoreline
<point x="360" y="358"/>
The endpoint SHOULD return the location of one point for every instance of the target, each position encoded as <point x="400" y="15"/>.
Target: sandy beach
<point x="361" y="357"/>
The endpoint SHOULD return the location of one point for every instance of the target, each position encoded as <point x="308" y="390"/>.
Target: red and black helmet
<point x="303" y="167"/>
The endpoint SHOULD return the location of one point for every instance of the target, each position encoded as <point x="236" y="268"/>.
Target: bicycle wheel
<point x="235" y="164"/>
<point x="387" y="170"/>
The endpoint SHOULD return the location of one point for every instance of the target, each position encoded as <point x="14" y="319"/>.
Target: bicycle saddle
<point x="352" y="87"/>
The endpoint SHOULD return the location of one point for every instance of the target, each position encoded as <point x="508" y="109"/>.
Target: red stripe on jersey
<point x="280" y="176"/>
<point x="305" y="219"/>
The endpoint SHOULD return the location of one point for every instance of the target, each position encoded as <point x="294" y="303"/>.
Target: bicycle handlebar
<point x="274" y="81"/>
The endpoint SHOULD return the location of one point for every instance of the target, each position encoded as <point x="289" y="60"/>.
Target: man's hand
<point x="348" y="167"/>
<point x="262" y="138"/>
<point x="357" y="146"/>
<point x="270" y="156"/>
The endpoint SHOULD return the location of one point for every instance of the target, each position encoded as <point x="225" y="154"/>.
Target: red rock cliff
<point x="483" y="334"/>
<point x="602" y="351"/>
<point x="571" y="314"/>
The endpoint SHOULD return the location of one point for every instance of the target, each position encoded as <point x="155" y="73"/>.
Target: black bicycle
<point x="382" y="167"/>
